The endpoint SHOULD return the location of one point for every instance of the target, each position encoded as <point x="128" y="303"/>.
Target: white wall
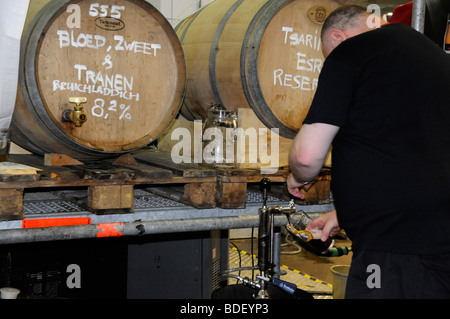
<point x="177" y="10"/>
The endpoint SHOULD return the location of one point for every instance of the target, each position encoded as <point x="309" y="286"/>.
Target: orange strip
<point x="109" y="230"/>
<point x="51" y="222"/>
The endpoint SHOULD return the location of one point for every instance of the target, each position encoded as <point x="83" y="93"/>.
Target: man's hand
<point x="328" y="223"/>
<point x="294" y="187"/>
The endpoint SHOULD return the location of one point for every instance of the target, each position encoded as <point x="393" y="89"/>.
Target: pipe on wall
<point x="418" y="15"/>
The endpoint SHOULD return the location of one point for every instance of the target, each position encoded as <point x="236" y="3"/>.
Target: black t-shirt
<point x="389" y="92"/>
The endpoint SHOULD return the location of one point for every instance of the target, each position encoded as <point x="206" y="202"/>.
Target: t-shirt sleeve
<point x="333" y="98"/>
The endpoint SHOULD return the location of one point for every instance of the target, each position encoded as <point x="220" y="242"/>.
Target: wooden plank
<point x="104" y="172"/>
<point x="16" y="172"/>
<point x="150" y="174"/>
<point x="60" y="160"/>
<point x="11" y="207"/>
<point x="231" y="195"/>
<point x="200" y="195"/>
<point x="163" y="160"/>
<point x="142" y="170"/>
<point x="11" y="168"/>
<point x="102" y="199"/>
<point x="125" y="159"/>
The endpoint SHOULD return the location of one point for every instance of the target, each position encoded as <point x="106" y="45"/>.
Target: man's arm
<point x="308" y="152"/>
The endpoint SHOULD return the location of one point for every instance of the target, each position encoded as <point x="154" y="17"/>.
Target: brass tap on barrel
<point x="77" y="115"/>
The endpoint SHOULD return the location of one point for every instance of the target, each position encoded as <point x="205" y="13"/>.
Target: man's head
<point x="343" y="23"/>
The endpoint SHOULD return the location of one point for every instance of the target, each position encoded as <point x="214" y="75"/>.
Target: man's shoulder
<point x="387" y="38"/>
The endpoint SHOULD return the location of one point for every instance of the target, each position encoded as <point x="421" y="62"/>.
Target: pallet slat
<point x="163" y="160"/>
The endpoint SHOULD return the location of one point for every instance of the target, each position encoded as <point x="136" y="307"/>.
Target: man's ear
<point x="337" y="36"/>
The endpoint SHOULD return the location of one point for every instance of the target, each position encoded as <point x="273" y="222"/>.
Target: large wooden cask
<point x="258" y="54"/>
<point x="123" y="56"/>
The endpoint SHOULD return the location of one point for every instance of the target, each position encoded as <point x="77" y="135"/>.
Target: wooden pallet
<point x="231" y="185"/>
<point x="110" y="183"/>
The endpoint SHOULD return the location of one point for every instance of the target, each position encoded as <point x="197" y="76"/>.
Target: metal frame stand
<point x="418" y="15"/>
<point x="268" y="251"/>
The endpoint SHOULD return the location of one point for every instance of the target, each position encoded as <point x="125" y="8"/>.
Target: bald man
<point x="383" y="104"/>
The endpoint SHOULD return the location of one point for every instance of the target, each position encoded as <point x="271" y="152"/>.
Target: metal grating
<point x="215" y="275"/>
<point x="143" y="199"/>
<point x="46" y="202"/>
<point x="49" y="206"/>
<point x="257" y="197"/>
<point x="155" y="201"/>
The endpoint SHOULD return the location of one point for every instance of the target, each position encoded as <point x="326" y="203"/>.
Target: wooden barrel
<point x="258" y="54"/>
<point x="123" y="56"/>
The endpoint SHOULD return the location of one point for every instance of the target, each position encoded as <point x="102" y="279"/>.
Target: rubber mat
<point x="240" y="258"/>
